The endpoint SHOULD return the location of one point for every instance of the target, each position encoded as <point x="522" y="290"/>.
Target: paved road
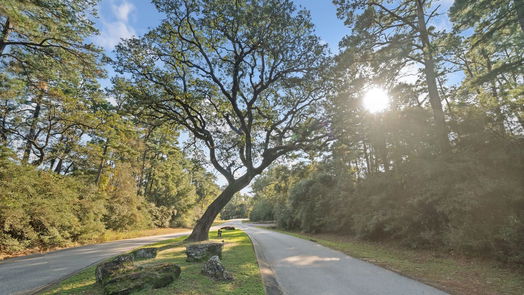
<point x="27" y="275"/>
<point x="303" y="267"/>
<point x="297" y="266"/>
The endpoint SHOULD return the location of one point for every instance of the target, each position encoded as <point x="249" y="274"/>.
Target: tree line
<point x="260" y="98"/>
<point x="75" y="160"/>
<point x="443" y="168"/>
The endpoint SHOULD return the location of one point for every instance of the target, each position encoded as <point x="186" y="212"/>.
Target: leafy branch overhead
<point x="244" y="77"/>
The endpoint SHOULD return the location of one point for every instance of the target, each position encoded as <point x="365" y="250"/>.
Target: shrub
<point x="262" y="210"/>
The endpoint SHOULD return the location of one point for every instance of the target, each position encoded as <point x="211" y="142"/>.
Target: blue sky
<point x="125" y="18"/>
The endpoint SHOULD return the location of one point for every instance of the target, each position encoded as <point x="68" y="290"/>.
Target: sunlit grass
<point x="238" y="258"/>
<point x="456" y="275"/>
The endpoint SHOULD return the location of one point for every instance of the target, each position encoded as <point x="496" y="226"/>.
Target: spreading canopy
<point x="244" y="77"/>
<point x="241" y="76"/>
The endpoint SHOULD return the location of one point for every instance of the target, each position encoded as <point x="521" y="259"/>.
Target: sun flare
<point x="376" y="100"/>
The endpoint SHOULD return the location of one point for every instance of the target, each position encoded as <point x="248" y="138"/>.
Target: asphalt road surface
<point x="291" y="265"/>
<point x="29" y="274"/>
<point x="302" y="267"/>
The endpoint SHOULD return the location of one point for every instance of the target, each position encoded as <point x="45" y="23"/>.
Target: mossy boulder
<point x="213" y="268"/>
<point x="203" y="251"/>
<point x="144" y="253"/>
<point x="119" y="264"/>
<point x="147" y="277"/>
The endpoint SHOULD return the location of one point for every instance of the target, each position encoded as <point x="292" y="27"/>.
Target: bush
<point x="458" y="202"/>
<point x="125" y="209"/>
<point x="42" y="209"/>
<point x="161" y="216"/>
<point x="310" y="202"/>
<point x="262" y="210"/>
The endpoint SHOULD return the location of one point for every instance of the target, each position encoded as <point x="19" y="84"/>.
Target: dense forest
<point x="246" y="89"/>
<point x="443" y="167"/>
<point x="75" y="160"/>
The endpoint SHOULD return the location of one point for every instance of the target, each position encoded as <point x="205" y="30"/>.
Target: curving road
<point x="303" y="267"/>
<point x="30" y="274"/>
<point x="289" y="265"/>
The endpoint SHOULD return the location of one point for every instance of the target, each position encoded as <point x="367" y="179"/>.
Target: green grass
<point x="454" y="274"/>
<point x="238" y="258"/>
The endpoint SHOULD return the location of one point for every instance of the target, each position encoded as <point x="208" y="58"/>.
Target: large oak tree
<point x="244" y="77"/>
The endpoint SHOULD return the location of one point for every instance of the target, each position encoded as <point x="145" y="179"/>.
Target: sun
<point x="376" y="100"/>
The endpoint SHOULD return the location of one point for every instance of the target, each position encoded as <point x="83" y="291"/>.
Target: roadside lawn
<point x="456" y="275"/>
<point x="238" y="258"/>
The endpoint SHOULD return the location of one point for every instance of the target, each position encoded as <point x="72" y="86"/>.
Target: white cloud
<point x="123" y="10"/>
<point x="112" y="32"/>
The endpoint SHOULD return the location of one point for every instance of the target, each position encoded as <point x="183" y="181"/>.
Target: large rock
<point x="119" y="264"/>
<point x="152" y="277"/>
<point x="228" y="228"/>
<point x="214" y="268"/>
<point x="202" y="252"/>
<point x="144" y="253"/>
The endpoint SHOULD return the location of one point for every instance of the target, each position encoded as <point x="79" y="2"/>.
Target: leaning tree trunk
<point x="31" y="137"/>
<point x="201" y="229"/>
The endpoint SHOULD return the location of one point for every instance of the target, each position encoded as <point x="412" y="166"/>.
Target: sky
<point x="125" y="18"/>
<point x="121" y="19"/>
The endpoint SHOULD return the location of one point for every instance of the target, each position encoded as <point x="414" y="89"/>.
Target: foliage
<point x="238" y="207"/>
<point x="243" y="78"/>
<point x="262" y="210"/>
<point x="468" y="202"/>
<point x="42" y="209"/>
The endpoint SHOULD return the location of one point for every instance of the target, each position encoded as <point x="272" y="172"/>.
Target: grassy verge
<point x="456" y="275"/>
<point x="238" y="257"/>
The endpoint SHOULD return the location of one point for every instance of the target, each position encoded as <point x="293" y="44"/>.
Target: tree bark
<point x="3" y="131"/>
<point x="58" y="168"/>
<point x="5" y="35"/>
<point x="499" y="116"/>
<point x="368" y="161"/>
<point x="431" y="80"/>
<point x="101" y="164"/>
<point x="32" y="131"/>
<point x="519" y="6"/>
<point x="201" y="230"/>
